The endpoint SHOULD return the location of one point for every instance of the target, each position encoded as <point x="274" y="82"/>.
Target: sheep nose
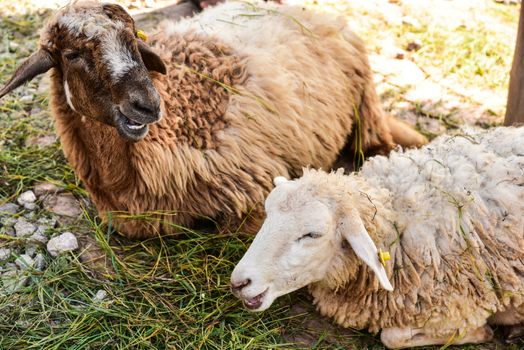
<point x="145" y="106"/>
<point x="238" y="286"/>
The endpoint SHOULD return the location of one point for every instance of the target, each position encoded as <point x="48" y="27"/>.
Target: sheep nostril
<point x="143" y="107"/>
<point x="236" y="287"/>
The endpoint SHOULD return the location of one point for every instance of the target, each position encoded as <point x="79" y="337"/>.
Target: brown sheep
<point x="198" y="123"/>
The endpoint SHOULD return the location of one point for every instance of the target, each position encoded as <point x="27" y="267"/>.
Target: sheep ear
<point x="151" y="60"/>
<point x="353" y="230"/>
<point x="279" y="180"/>
<point x="38" y="63"/>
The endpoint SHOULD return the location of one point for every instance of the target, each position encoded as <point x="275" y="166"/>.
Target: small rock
<point x="26" y="197"/>
<point x="9" y="222"/>
<point x="30" y="215"/>
<point x="26" y="99"/>
<point x="414" y="46"/>
<point x="64" y="243"/>
<point x="30" y="250"/>
<point x="24" y="262"/>
<point x="5" y="253"/>
<point x="100" y="295"/>
<point x="30" y="206"/>
<point x="13" y="46"/>
<point x="51" y="222"/>
<point x="24" y="228"/>
<point x="9" y="208"/>
<point x="13" y="281"/>
<point x="39" y="262"/>
<point x="7" y="230"/>
<point x="43" y="188"/>
<point x="35" y="111"/>
<point x="39" y="235"/>
<point x="64" y="205"/>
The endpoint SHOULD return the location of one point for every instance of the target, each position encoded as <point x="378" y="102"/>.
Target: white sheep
<point x="452" y="217"/>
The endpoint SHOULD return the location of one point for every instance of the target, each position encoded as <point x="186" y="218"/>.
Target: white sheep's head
<point x="103" y="64"/>
<point x="298" y="242"/>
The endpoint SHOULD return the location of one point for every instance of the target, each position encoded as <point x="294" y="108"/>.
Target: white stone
<point x="26" y="197"/>
<point x="64" y="243"/>
<point x="5" y="253"/>
<point x="39" y="236"/>
<point x="8" y="208"/>
<point x="64" y="205"/>
<point x="26" y="99"/>
<point x="100" y="295"/>
<point x="24" y="262"/>
<point x="9" y="222"/>
<point x="12" y="281"/>
<point x="39" y="262"/>
<point x="30" y="250"/>
<point x="7" y="230"/>
<point x="50" y="222"/>
<point x="44" y="188"/>
<point x="30" y="206"/>
<point x="24" y="228"/>
<point x="31" y="215"/>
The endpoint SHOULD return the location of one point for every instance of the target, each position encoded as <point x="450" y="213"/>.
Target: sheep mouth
<point x="255" y="302"/>
<point x="130" y="129"/>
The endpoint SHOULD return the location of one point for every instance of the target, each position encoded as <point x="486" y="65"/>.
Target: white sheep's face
<point x="298" y="243"/>
<point x="293" y="248"/>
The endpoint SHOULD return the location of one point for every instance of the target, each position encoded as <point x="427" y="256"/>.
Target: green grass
<point x="172" y="292"/>
<point x="164" y="293"/>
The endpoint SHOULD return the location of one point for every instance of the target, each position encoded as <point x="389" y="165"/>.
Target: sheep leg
<point x="513" y="320"/>
<point x="511" y="316"/>
<point x="405" y="135"/>
<point x="409" y="337"/>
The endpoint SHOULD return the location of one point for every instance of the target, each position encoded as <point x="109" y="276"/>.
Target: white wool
<point x="82" y="20"/>
<point x="422" y="181"/>
<point x="117" y="55"/>
<point x="68" y="95"/>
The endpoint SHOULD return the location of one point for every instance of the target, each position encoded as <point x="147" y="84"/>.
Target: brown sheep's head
<point x="103" y="64"/>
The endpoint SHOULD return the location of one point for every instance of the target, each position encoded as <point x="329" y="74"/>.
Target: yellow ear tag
<point x="383" y="257"/>
<point x="141" y="34"/>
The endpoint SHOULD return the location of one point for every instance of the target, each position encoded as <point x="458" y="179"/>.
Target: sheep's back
<point x="305" y="76"/>
<point x="459" y="205"/>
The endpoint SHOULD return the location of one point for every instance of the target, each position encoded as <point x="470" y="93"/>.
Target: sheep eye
<point x="310" y="235"/>
<point x="72" y="55"/>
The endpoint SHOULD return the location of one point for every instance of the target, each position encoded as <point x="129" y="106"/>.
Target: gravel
<point x="24" y="262"/>
<point x="9" y="208"/>
<point x="33" y="228"/>
<point x="5" y="253"/>
<point x="24" y="228"/>
<point x="66" y="242"/>
<point x="100" y="295"/>
<point x="26" y="197"/>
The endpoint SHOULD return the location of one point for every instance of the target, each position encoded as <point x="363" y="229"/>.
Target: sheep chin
<point x="132" y="132"/>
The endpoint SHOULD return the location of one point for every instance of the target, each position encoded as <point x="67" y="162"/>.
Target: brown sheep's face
<point x="103" y="64"/>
